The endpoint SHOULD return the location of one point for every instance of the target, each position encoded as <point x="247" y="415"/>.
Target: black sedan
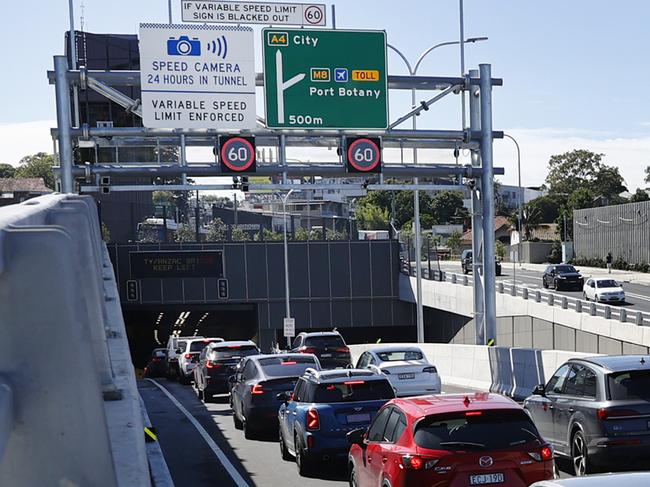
<point x="562" y="276"/>
<point x="253" y="397"/>
<point x="466" y="262"/>
<point x="596" y="411"/>
<point x="156" y="365"/>
<point x="217" y="363"/>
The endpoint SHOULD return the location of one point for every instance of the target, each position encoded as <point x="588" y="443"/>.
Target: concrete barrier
<point x="510" y="371"/>
<point x="64" y="356"/>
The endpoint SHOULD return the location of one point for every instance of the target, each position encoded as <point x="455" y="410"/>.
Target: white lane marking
<point x="230" y="468"/>
<point x="637" y="296"/>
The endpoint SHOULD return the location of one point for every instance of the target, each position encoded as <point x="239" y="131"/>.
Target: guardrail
<point x="606" y="311"/>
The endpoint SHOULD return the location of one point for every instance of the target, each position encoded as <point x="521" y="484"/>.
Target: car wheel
<point x="303" y="462"/>
<point x="249" y="433"/>
<point x="544" y="283"/>
<point x="556" y="285"/>
<point x="584" y="296"/>
<point x="579" y="455"/>
<point x="200" y="394"/>
<point x="596" y="298"/>
<point x="353" y="477"/>
<point x="237" y="422"/>
<point x="207" y="396"/>
<point x="283" y="448"/>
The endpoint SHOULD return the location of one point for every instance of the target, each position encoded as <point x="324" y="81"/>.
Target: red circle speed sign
<point x="364" y="155"/>
<point x="237" y="154"/>
<point x="314" y="15"/>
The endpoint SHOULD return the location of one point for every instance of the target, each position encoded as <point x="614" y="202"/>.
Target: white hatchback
<point x="635" y="479"/>
<point x="603" y="290"/>
<point x="406" y="368"/>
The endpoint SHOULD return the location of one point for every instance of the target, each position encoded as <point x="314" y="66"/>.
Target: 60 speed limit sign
<point x="237" y="154"/>
<point x="363" y="154"/>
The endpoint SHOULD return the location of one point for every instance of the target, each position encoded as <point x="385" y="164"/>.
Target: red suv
<point x="451" y="440"/>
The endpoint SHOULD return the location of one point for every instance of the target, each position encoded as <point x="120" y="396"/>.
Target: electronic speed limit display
<point x="237" y="154"/>
<point x="363" y="154"/>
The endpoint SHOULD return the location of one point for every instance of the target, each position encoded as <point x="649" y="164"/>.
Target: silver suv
<point x="171" y="362"/>
<point x="596" y="411"/>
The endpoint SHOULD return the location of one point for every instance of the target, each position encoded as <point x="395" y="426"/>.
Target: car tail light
<point x="354" y="382"/>
<point x="234" y="346"/>
<point x="544" y="455"/>
<point x="474" y="413"/>
<point x="604" y="413"/>
<point x="414" y="462"/>
<point x="311" y="441"/>
<point x="307" y="350"/>
<point x="313" y="421"/>
<point x="430" y="370"/>
<point x="342" y="350"/>
<point x="212" y="365"/>
<point x="156" y="359"/>
<point x="257" y="389"/>
<point x="289" y="363"/>
<point x="188" y="356"/>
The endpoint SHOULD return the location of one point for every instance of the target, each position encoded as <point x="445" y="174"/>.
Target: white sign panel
<point x="289" y="327"/>
<point x="197" y="77"/>
<point x="205" y="11"/>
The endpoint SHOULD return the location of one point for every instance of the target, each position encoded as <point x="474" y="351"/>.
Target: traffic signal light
<point x="132" y="291"/>
<point x="235" y="183"/>
<point x="222" y="288"/>
<point x="244" y="184"/>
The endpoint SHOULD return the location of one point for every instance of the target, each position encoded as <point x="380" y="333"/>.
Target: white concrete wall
<point x="457" y="298"/>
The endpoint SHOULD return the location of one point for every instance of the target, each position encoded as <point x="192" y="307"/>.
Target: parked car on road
<point x="323" y="408"/>
<point x="562" y="276"/>
<point x="466" y="263"/>
<point x="171" y="361"/>
<point x="635" y="479"/>
<point x="217" y="363"/>
<point x="603" y="290"/>
<point x="329" y="347"/>
<point x="188" y="357"/>
<point x="156" y="365"/>
<point x="254" y="396"/>
<point x="596" y="411"/>
<point x="406" y="368"/>
<point x="449" y="440"/>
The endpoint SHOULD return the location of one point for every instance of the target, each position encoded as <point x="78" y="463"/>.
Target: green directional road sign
<point x="325" y="79"/>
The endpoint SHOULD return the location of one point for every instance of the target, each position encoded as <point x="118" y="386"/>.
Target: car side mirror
<point x="284" y="397"/>
<point x="357" y="437"/>
<point x="539" y="390"/>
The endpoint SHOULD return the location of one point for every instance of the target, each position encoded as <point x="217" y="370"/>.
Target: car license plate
<point x="326" y="355"/>
<point x="486" y="479"/>
<point x="358" y="418"/>
<point x="410" y="375"/>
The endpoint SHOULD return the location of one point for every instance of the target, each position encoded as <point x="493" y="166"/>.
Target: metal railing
<point x="620" y="313"/>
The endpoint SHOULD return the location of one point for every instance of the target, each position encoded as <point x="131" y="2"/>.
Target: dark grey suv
<point x="596" y="411"/>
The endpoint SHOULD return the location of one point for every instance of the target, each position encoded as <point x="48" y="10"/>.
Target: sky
<point x="574" y="72"/>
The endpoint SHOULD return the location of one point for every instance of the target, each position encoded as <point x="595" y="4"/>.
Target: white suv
<point x="171" y="362"/>
<point x="188" y="357"/>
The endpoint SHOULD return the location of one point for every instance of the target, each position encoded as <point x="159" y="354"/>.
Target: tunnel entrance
<point x="150" y="327"/>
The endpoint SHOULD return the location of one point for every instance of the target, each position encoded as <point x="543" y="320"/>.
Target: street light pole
<point x="520" y="198"/>
<point x="286" y="261"/>
<point x="416" y="194"/>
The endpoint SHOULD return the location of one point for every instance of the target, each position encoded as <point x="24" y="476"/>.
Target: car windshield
<point x="325" y="341"/>
<point x="475" y="430"/>
<point x="354" y="390"/>
<point x="398" y="355"/>
<point x="607" y="283"/>
<point x="234" y="351"/>
<point x="563" y="269"/>
<point x="633" y="384"/>
<point x="286" y="366"/>
<point x="200" y="345"/>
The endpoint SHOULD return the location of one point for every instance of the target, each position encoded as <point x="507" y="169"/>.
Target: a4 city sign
<point x="333" y="79"/>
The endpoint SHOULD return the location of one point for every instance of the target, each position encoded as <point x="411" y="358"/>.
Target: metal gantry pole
<point x="487" y="199"/>
<point x="520" y="199"/>
<point x="286" y="262"/>
<point x="461" y="43"/>
<point x="62" y="90"/>
<point x="477" y="218"/>
<point x="418" y="243"/>
<point x="73" y="62"/>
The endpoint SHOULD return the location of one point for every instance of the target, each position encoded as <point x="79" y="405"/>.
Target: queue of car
<point x="389" y="422"/>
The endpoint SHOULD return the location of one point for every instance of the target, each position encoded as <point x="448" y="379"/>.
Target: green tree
<point x="301" y="234"/>
<point x="453" y="242"/>
<point x="106" y="233"/>
<point x="37" y="166"/>
<point x="639" y="196"/>
<point x="447" y="207"/>
<point x="239" y="235"/>
<point x="609" y="183"/>
<point x="579" y="199"/>
<point x="336" y="235"/>
<point x="573" y="170"/>
<point x="216" y="231"/>
<point x="316" y="234"/>
<point x="185" y="233"/>
<point x="500" y="249"/>
<point x="7" y="171"/>
<point x="163" y="198"/>
<point x="148" y="234"/>
<point x="647" y="174"/>
<point x="267" y="235"/>
<point x="372" y="217"/>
